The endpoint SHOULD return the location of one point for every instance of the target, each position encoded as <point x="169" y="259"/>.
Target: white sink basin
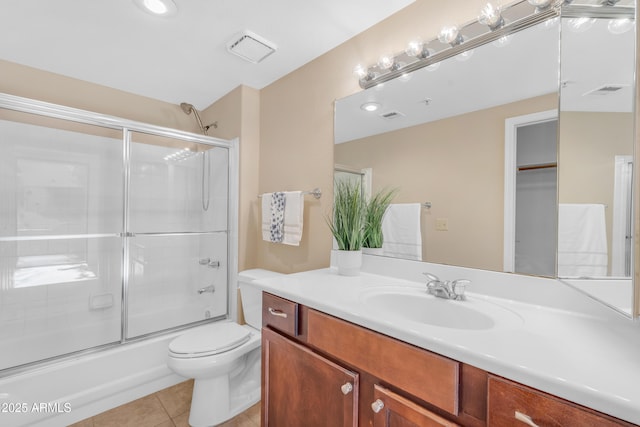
<point x="415" y="305"/>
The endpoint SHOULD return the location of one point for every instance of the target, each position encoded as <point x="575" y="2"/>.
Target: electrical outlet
<point x="442" y="224"/>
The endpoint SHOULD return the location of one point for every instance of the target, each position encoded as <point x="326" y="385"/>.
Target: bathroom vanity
<point x="333" y="356"/>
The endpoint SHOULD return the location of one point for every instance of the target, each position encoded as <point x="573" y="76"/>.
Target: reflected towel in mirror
<point x="582" y="240"/>
<point x="401" y="233"/>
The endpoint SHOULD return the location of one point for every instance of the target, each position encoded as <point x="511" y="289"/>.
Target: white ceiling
<point x="182" y="58"/>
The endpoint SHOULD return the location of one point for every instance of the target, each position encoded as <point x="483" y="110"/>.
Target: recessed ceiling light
<point x="370" y="106"/>
<point x="157" y="7"/>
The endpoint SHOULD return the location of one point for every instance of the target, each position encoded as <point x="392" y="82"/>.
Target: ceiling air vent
<point x="605" y="90"/>
<point x="391" y="115"/>
<point x="251" y="47"/>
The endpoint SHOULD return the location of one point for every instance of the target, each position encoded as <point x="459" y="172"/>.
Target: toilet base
<point x="209" y="407"/>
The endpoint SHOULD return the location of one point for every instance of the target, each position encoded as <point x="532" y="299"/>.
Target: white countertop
<point x="593" y="360"/>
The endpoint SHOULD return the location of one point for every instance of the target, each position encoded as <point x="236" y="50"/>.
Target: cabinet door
<point x="302" y="388"/>
<point x="392" y="410"/>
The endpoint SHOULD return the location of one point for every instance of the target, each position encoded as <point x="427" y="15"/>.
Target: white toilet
<point x="224" y="359"/>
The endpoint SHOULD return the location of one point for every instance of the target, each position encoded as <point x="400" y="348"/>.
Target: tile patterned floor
<point x="166" y="408"/>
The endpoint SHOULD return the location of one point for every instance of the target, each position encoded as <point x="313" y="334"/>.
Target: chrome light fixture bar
<point x="492" y="24"/>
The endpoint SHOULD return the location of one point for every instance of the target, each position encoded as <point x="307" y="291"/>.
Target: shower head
<point x="187" y="108"/>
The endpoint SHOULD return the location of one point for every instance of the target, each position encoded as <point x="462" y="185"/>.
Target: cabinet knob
<point x="377" y="406"/>
<point x="525" y="419"/>
<point x="346" y="388"/>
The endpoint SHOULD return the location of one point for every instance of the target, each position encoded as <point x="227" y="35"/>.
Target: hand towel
<point x="277" y="217"/>
<point x="293" y="214"/>
<point x="401" y="235"/>
<point x="267" y="216"/>
<point x="582" y="240"/>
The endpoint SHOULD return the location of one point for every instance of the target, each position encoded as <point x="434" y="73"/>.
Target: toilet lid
<point x="214" y="339"/>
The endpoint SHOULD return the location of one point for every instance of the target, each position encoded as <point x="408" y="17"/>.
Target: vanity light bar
<point x="493" y="24"/>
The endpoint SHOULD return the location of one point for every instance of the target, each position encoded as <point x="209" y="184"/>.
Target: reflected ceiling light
<point x="620" y="26"/>
<point x="450" y="35"/>
<point x="502" y="41"/>
<point x="490" y="16"/>
<point x="370" y="106"/>
<point x="580" y="25"/>
<point x="464" y="56"/>
<point x="157" y="7"/>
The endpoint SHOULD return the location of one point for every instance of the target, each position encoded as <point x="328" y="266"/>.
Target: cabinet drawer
<point x="512" y="405"/>
<point x="280" y="314"/>
<point x="423" y="374"/>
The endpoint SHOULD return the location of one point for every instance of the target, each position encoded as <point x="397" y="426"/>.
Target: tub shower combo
<point x="111" y="232"/>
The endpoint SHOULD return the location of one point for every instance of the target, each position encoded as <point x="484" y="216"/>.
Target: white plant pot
<point x="348" y="262"/>
<point x="372" y="251"/>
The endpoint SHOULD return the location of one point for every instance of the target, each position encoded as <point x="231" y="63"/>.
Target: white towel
<point x="293" y="214"/>
<point x="582" y="240"/>
<point x="401" y="231"/>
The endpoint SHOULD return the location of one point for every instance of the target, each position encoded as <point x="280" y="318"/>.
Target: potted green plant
<point x="347" y="226"/>
<point x="374" y="212"/>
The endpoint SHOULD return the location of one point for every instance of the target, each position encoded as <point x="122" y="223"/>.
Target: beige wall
<point x="238" y="115"/>
<point x="457" y="164"/>
<point x="296" y="137"/>
<point x="32" y="83"/>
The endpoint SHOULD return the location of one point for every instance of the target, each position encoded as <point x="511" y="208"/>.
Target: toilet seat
<point x="219" y="338"/>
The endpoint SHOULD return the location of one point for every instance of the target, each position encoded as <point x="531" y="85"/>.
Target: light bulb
<point x="450" y="35"/>
<point x="360" y="72"/>
<point x="417" y="49"/>
<point x="490" y="16"/>
<point x="386" y="61"/>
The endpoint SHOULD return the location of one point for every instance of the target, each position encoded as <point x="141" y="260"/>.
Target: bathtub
<point x="76" y="388"/>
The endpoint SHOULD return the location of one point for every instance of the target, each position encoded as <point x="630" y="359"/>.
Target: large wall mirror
<point x="518" y="151"/>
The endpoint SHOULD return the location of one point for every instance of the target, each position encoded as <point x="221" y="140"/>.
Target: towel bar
<point x="316" y="192"/>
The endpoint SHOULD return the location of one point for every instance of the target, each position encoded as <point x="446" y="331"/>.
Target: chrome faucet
<point x="446" y="289"/>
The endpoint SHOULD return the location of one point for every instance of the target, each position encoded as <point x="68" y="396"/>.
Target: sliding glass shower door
<point x="61" y="198"/>
<point x="177" y="218"/>
<point x="109" y="231"/>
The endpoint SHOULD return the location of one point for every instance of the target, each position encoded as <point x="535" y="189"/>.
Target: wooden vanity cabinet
<point x="321" y="371"/>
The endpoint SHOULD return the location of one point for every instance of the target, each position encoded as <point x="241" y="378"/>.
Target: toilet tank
<point x="252" y="296"/>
